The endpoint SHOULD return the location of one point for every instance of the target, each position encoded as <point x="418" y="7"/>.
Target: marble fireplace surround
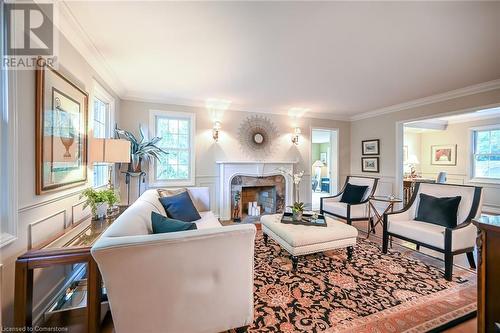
<point x="229" y="169"/>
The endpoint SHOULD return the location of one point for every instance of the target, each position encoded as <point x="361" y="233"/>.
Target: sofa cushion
<point x="162" y="224"/>
<point x="180" y="207"/>
<point x="208" y="220"/>
<point x="340" y="209"/>
<point x="165" y="192"/>
<point x="353" y="194"/>
<point x="441" y="211"/>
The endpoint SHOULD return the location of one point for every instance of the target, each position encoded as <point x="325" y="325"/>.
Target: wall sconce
<point x="295" y="136"/>
<point x="215" y="131"/>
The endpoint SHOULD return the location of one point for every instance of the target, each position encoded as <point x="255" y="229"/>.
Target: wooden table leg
<point x="94" y="296"/>
<point x="23" y="295"/>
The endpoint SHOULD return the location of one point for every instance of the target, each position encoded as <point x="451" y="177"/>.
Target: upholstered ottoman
<point x="301" y="239"/>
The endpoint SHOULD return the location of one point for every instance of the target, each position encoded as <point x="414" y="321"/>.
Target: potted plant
<point x="297" y="210"/>
<point x="99" y="201"/>
<point x="141" y="149"/>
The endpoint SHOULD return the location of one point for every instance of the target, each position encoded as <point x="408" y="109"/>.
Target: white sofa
<point x="191" y="281"/>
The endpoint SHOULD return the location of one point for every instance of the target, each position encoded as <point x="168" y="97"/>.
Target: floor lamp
<point x="318" y="165"/>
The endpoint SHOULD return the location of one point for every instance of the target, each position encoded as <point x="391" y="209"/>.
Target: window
<point x="176" y="130"/>
<point x="486" y="153"/>
<point x="8" y="147"/>
<point x="102" y="124"/>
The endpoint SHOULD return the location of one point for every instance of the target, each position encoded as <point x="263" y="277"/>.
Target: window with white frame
<point x="8" y="147"/>
<point x="176" y="130"/>
<point x="102" y="125"/>
<point x="486" y="153"/>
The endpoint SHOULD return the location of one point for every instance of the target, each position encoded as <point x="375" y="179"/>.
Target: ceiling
<point x="337" y="59"/>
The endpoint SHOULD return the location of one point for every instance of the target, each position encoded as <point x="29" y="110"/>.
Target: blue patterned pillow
<point x="180" y="207"/>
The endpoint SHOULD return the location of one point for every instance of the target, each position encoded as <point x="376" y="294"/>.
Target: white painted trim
<point x="76" y="35"/>
<point x="474" y="89"/>
<point x="153" y="182"/>
<point x="336" y="168"/>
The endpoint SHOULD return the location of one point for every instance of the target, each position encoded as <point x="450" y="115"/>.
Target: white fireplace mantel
<point x="229" y="169"/>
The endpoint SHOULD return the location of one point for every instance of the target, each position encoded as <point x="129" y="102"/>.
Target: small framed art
<point x="369" y="164"/>
<point x="444" y="155"/>
<point x="370" y="147"/>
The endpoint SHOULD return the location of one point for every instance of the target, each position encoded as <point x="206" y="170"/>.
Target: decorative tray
<point x="307" y="219"/>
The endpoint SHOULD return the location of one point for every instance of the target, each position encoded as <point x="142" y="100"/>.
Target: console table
<point x="488" y="269"/>
<point x="70" y="247"/>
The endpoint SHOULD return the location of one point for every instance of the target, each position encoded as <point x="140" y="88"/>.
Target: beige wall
<point x="414" y="143"/>
<point x="133" y="113"/>
<point x="49" y="212"/>
<point x="384" y="126"/>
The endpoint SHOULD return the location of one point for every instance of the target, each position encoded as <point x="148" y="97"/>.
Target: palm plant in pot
<point x="141" y="149"/>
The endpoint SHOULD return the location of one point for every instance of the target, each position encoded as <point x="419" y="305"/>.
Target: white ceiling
<point x="338" y="59"/>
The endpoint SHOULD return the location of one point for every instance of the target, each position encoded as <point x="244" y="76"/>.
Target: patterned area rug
<point x="397" y="292"/>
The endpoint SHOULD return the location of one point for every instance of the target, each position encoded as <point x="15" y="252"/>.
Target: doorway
<point x="324" y="164"/>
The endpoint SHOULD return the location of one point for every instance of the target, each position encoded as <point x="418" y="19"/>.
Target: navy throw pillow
<point x="440" y="211"/>
<point x="353" y="194"/>
<point x="180" y="207"/>
<point x="162" y="224"/>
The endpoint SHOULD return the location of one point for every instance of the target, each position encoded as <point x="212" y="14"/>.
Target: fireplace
<point x="256" y="196"/>
<point x="234" y="174"/>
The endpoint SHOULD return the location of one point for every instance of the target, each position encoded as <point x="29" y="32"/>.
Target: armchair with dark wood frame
<point x="350" y="212"/>
<point x="461" y="239"/>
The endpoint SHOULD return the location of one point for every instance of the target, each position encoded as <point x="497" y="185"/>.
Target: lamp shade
<point x="318" y="164"/>
<point x="109" y="150"/>
<point x="412" y="160"/>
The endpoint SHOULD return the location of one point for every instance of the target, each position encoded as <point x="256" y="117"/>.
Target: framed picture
<point x="369" y="164"/>
<point x="370" y="147"/>
<point x="444" y="155"/>
<point x="405" y="154"/>
<point x="323" y="157"/>
<point x="61" y="131"/>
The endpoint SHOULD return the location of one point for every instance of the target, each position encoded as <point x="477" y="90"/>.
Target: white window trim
<point x="99" y="92"/>
<point x="153" y="182"/>
<point x="470" y="165"/>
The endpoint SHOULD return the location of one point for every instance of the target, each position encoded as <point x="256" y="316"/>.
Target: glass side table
<point x="391" y="201"/>
<point x="72" y="246"/>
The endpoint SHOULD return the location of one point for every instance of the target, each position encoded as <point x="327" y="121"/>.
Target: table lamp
<point x="109" y="151"/>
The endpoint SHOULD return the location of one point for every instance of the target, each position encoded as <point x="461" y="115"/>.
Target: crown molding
<point x="69" y="26"/>
<point x="474" y="89"/>
<point x="140" y="97"/>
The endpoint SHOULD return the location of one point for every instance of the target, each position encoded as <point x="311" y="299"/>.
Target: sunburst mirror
<point x="256" y="135"/>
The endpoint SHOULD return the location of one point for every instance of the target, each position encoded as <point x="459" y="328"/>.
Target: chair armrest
<point x="338" y="195"/>
<point x="207" y="273"/>
<point x="400" y="215"/>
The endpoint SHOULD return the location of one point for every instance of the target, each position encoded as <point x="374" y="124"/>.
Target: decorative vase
<point x="297" y="216"/>
<point x="135" y="165"/>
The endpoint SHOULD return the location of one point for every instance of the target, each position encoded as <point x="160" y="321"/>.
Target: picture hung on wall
<point x="323" y="157"/>
<point x="444" y="155"/>
<point x="369" y="164"/>
<point x="61" y="131"/>
<point x="370" y="147"/>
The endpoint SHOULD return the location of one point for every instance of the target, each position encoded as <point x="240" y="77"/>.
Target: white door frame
<point x="399" y="168"/>
<point x="333" y="163"/>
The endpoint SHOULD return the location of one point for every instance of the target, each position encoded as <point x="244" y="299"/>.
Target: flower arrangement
<point x="298" y="206"/>
<point x="95" y="199"/>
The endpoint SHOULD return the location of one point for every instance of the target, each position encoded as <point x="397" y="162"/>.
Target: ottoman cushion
<point x="301" y="235"/>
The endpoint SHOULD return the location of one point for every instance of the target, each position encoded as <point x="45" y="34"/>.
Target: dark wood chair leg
<point x="448" y="266"/>
<point x="372" y="225"/>
<point x="417" y="247"/>
<point x="350" y="250"/>
<point x="265" y="239"/>
<point x="385" y="236"/>
<point x="470" y="258"/>
<point x="295" y="262"/>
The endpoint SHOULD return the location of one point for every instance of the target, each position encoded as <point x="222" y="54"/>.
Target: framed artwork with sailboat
<point x="61" y="131"/>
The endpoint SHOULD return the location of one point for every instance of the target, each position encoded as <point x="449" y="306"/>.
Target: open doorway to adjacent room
<point x="456" y="149"/>
<point x="324" y="164"/>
